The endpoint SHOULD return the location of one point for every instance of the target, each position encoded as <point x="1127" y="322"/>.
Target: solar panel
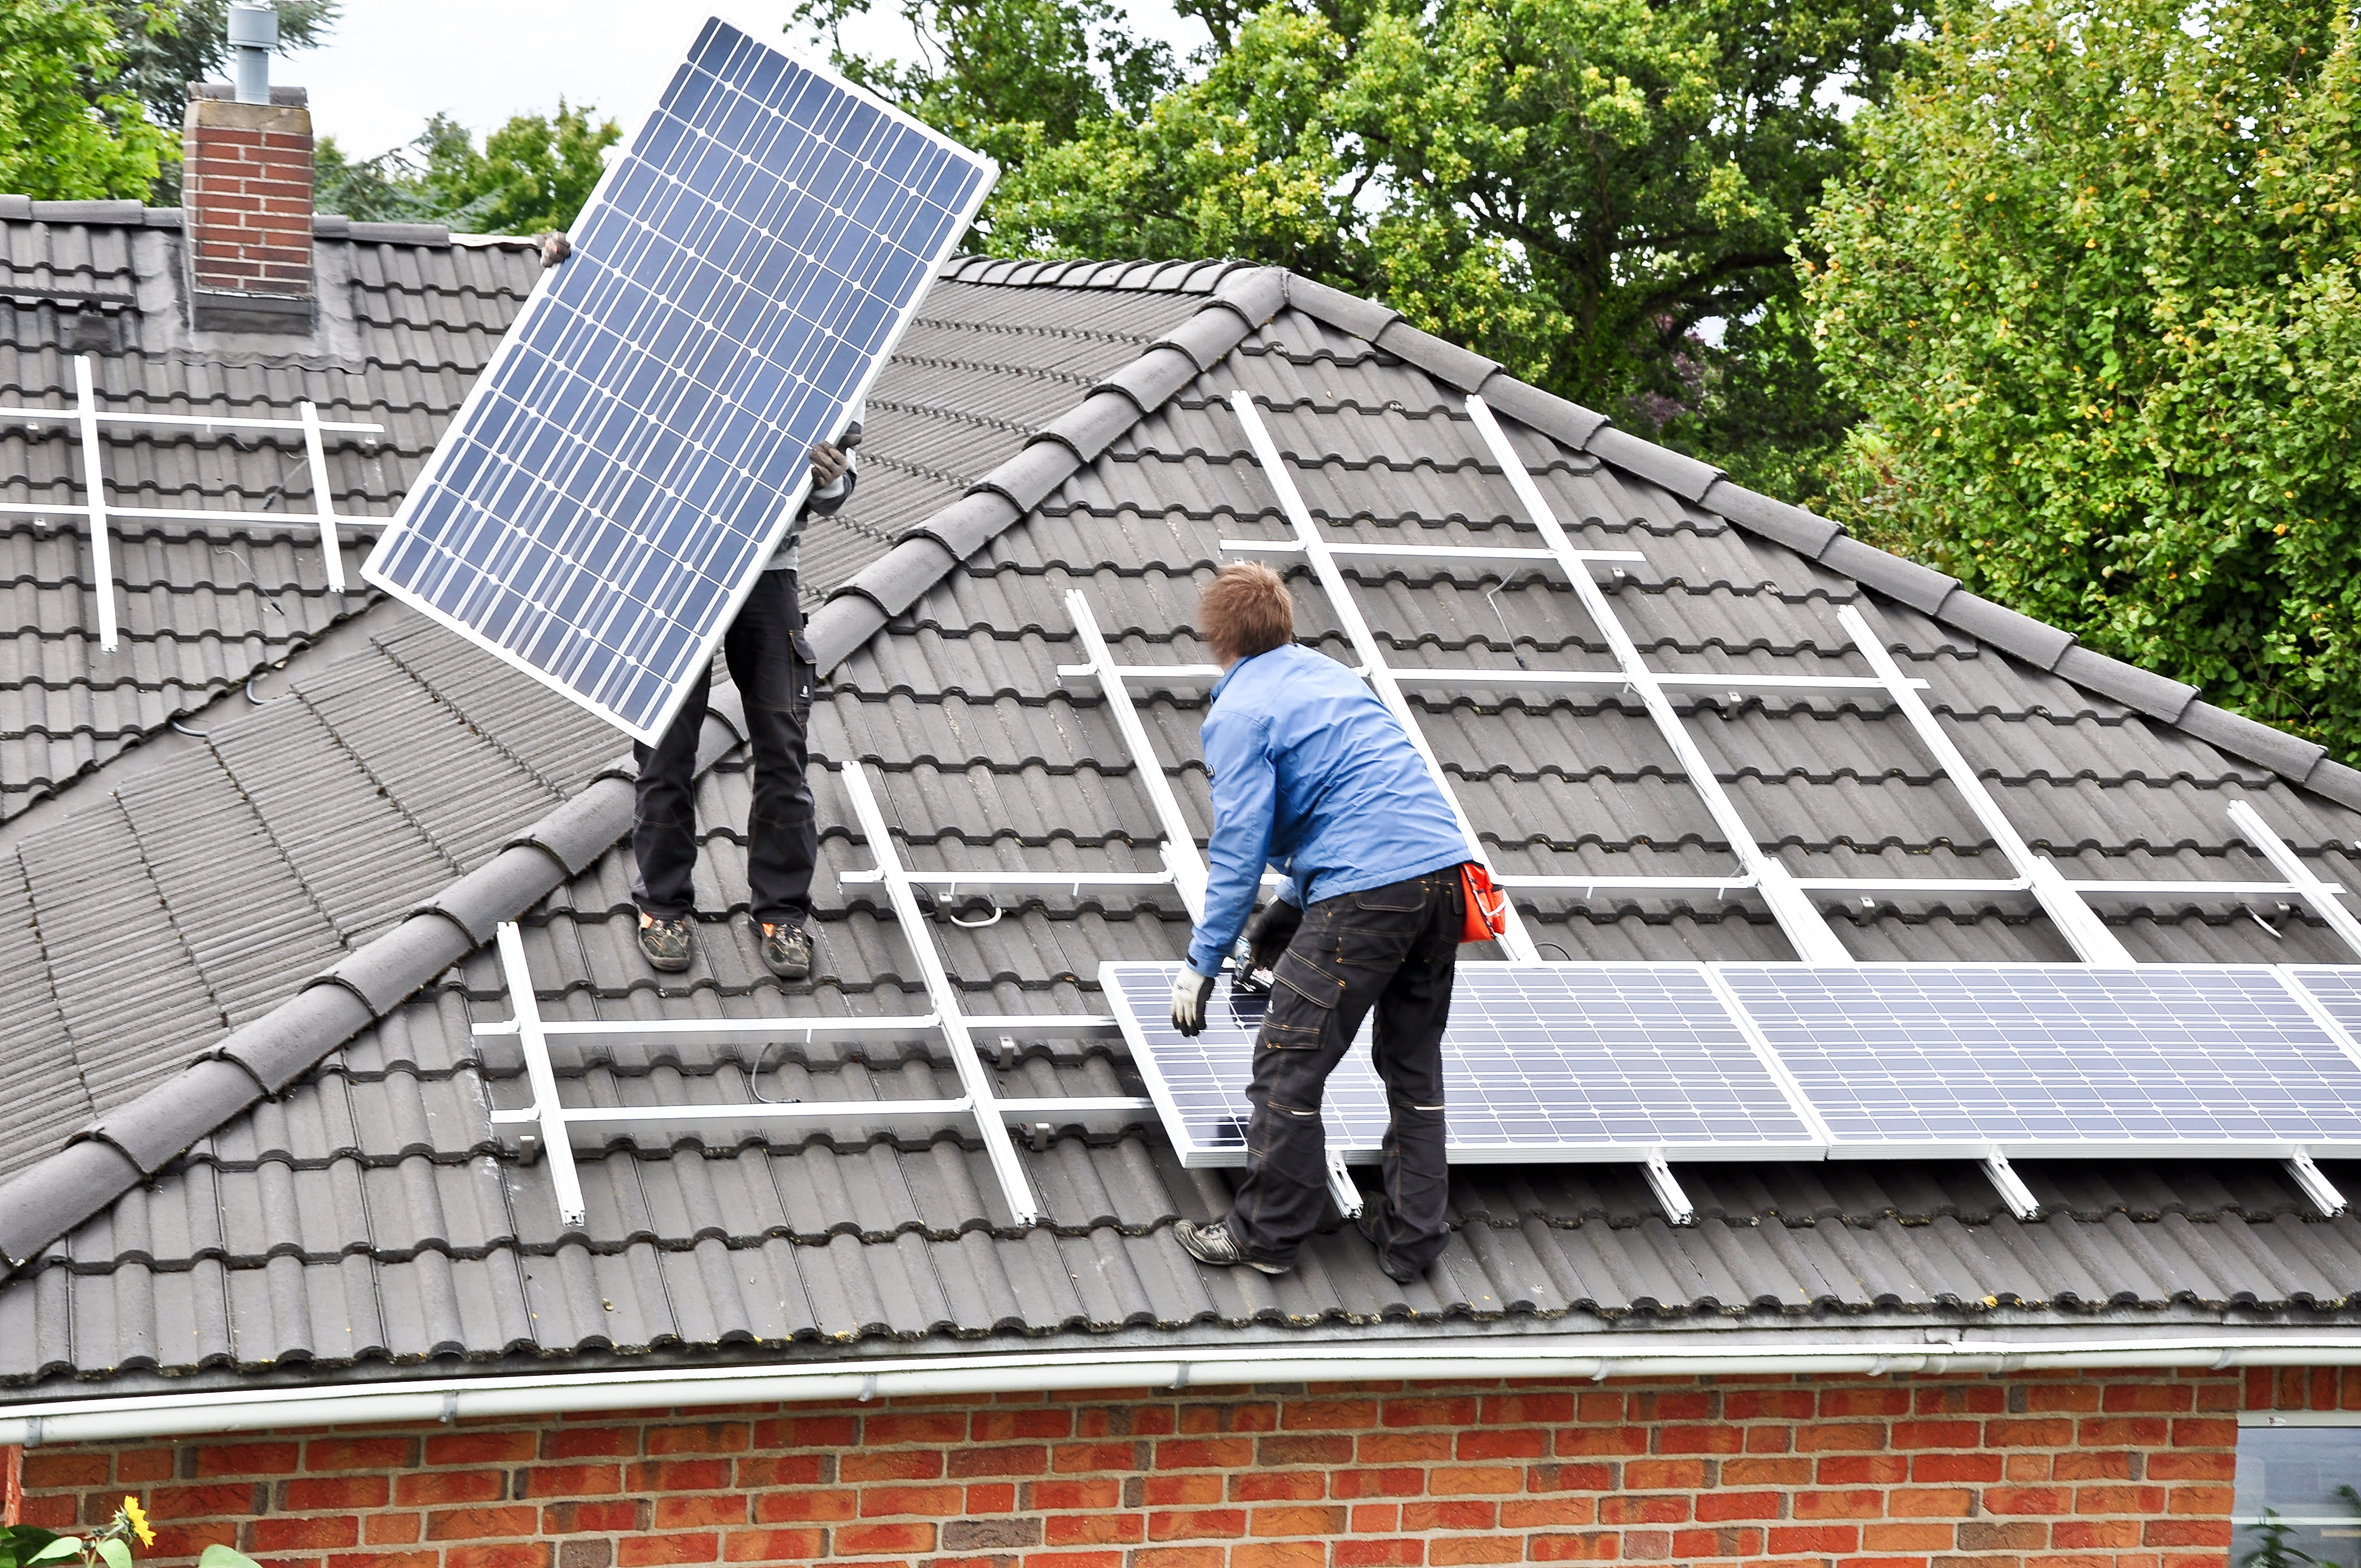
<point x="1955" y="1060"/>
<point x="1541" y="1062"/>
<point x="2338" y="990"/>
<point x="624" y="466"/>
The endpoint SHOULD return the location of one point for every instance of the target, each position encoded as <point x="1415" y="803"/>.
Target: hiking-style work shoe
<point x="786" y="951"/>
<point x="1214" y="1244"/>
<point x="1368" y="1222"/>
<point x="665" y="943"/>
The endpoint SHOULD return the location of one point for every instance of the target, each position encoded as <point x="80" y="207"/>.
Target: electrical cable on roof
<point x="754" y="1079"/>
<point x="1490" y="598"/>
<point x="201" y="734"/>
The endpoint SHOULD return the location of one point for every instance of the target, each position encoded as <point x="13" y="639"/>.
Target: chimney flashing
<point x="247" y="215"/>
<point x="283" y="97"/>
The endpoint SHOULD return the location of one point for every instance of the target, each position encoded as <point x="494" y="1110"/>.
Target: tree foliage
<point x="69" y="130"/>
<point x="1582" y="189"/>
<point x="1006" y="76"/>
<point x="168" y="44"/>
<point x="533" y="173"/>
<point x="2094" y="284"/>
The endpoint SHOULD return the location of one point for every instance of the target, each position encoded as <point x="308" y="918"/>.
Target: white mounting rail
<point x="1794" y="909"/>
<point x="1180" y="856"/>
<point x="86" y="417"/>
<point x="973" y="1076"/>
<point x="2301" y="879"/>
<point x="2091" y="942"/>
<point x="552" y="1120"/>
<point x="2063" y="899"/>
<point x="1516" y="940"/>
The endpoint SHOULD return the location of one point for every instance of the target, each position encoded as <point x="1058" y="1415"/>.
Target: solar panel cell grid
<point x="1542" y="1062"/>
<point x="1942" y="1058"/>
<point x="627" y="461"/>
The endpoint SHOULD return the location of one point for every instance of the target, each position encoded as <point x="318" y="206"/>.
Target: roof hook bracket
<point x="2011" y="1186"/>
<point x="1678" y="1209"/>
<point x="2316" y="1186"/>
<point x="1341" y="1188"/>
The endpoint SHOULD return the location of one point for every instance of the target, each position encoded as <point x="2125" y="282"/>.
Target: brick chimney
<point x="246" y="192"/>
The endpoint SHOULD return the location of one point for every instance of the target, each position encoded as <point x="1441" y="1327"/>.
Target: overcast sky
<point x="391" y="63"/>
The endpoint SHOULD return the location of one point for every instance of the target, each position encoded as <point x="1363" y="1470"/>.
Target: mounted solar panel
<point x="2337" y="989"/>
<point x="1961" y="1060"/>
<point x="1541" y="1062"/>
<point x="623" y="468"/>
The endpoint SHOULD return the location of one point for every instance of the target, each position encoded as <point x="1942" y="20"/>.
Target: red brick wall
<point x="247" y="195"/>
<point x="2060" y="1471"/>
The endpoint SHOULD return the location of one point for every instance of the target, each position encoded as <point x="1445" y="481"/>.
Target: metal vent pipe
<point x="253" y="34"/>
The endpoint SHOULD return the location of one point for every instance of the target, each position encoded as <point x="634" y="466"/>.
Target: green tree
<point x="168" y="44"/>
<point x="2094" y="284"/>
<point x="1008" y="76"/>
<point x="532" y="173"/>
<point x="378" y="190"/>
<point x="67" y="132"/>
<point x="1581" y="189"/>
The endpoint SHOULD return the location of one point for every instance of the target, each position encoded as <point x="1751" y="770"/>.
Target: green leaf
<point x="117" y="1555"/>
<point x="19" y="1542"/>
<point x="63" y="1546"/>
<point x="224" y="1557"/>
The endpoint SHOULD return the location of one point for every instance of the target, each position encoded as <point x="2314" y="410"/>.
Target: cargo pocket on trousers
<point x="801" y="679"/>
<point x="1302" y="996"/>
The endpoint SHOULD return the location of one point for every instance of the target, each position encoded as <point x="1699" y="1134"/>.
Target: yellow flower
<point x="138" y="1521"/>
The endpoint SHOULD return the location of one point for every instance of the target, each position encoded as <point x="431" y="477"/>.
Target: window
<point x="2297" y="1467"/>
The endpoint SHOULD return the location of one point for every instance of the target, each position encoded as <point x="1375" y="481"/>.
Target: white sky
<point x="391" y="63"/>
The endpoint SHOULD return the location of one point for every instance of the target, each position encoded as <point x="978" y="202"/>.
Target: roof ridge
<point x="1146" y="274"/>
<point x="1940" y="598"/>
<point x="137" y="1140"/>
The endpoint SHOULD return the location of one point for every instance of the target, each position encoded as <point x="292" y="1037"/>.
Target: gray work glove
<point x="1270" y="932"/>
<point x="1189" y="993"/>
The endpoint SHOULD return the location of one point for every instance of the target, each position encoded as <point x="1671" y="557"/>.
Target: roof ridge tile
<point x="1463" y="368"/>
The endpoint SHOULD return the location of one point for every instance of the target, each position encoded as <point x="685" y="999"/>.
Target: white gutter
<point x="448" y="1399"/>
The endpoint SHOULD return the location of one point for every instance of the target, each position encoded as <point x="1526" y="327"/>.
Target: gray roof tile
<point x="369" y="1212"/>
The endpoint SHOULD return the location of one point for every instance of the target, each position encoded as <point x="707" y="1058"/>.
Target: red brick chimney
<point x="246" y="192"/>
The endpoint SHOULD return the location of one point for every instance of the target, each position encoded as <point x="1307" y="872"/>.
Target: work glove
<point x="1189" y="996"/>
<point x="1270" y="932"/>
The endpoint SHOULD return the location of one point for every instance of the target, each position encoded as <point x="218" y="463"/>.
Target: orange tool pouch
<point x="1488" y="906"/>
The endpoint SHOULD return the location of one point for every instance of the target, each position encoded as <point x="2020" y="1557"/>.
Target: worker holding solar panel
<point x="771" y="665"/>
<point x="1313" y="776"/>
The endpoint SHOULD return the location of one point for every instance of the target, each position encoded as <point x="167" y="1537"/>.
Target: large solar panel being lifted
<point x="1541" y="1062"/>
<point x="624" y="466"/>
<point x="1960" y="1059"/>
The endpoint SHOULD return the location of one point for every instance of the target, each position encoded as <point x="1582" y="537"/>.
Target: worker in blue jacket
<point x="1316" y="778"/>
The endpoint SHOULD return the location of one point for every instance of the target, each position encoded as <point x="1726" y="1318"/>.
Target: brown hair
<point x="1246" y="611"/>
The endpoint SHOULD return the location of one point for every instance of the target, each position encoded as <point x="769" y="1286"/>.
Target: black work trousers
<point x="772" y="666"/>
<point x="1394" y="948"/>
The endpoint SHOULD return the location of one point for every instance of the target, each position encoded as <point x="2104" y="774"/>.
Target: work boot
<point x="786" y="951"/>
<point x="665" y="943"/>
<point x="1371" y="1223"/>
<point x="1214" y="1244"/>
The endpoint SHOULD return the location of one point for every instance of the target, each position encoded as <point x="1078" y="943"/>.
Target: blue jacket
<point x="1314" y="776"/>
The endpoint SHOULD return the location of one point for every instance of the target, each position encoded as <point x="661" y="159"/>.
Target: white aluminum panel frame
<point x="488" y="377"/>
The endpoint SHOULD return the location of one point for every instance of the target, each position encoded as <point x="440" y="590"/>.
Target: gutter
<point x="451" y="1399"/>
